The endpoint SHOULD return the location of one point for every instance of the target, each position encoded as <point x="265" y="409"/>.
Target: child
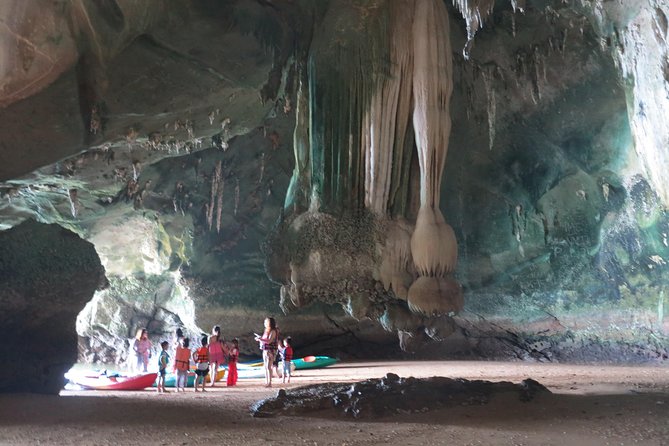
<point x="163" y="359"/>
<point x="286" y="352"/>
<point x="201" y="358"/>
<point x="232" y="363"/>
<point x="182" y="363"/>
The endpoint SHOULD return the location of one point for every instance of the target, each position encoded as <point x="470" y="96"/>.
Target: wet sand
<point x="590" y="405"/>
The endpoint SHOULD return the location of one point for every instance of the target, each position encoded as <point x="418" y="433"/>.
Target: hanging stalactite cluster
<point x="371" y="135"/>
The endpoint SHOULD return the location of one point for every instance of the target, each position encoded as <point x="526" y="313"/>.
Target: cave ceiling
<point x="490" y="171"/>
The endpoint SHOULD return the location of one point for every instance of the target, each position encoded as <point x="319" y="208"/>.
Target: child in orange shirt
<point x="182" y="363"/>
<point x="201" y="358"/>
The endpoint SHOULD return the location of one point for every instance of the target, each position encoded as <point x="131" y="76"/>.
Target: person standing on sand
<point x="201" y="358"/>
<point x="268" y="344"/>
<point x="142" y="349"/>
<point x="182" y="364"/>
<point x="217" y="352"/>
<point x="232" y="363"/>
<point x="286" y="351"/>
<point x="163" y="359"/>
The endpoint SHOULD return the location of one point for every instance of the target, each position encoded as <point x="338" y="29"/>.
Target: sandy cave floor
<point x="591" y="405"/>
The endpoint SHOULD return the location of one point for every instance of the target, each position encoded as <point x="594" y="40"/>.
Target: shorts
<point x="285" y="365"/>
<point x="162" y="372"/>
<point x="202" y="372"/>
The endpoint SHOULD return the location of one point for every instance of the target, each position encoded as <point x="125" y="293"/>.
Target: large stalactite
<point x="433" y="244"/>
<point x="378" y="100"/>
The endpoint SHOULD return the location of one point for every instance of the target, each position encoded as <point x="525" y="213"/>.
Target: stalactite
<point x="210" y="206"/>
<point x="236" y="197"/>
<point x="219" y="198"/>
<point x="136" y="169"/>
<point x="74" y="202"/>
<point x="340" y="98"/>
<point x="538" y="74"/>
<point x="396" y="259"/>
<point x="262" y="168"/>
<point x="433" y="244"/>
<point x="215" y="197"/>
<point x="297" y="196"/>
<point x="353" y="141"/>
<point x="386" y="119"/>
<point x="401" y="191"/>
<point x="488" y="76"/>
<point x="474" y="12"/>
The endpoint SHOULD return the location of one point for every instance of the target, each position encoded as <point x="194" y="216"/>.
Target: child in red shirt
<point x="233" y="355"/>
<point x="286" y="352"/>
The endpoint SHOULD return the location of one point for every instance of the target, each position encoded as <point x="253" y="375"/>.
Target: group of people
<point x="213" y="353"/>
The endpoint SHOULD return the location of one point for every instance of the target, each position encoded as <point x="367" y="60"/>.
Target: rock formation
<point x="392" y="395"/>
<point x="47" y="275"/>
<point x="475" y="177"/>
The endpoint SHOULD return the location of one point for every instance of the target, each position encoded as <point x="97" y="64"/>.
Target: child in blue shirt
<point x="163" y="359"/>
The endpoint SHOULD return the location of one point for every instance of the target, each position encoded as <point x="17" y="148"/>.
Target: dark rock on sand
<point x="390" y="395"/>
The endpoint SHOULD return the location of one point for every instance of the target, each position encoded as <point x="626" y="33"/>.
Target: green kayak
<point x="313" y="362"/>
<point x="308" y="362"/>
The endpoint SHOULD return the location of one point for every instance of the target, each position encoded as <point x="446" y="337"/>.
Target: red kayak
<point x="114" y="382"/>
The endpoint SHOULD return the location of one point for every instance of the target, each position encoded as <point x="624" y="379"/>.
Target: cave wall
<point x="47" y="275"/>
<point x="560" y="225"/>
<point x="225" y="148"/>
<point x="561" y="233"/>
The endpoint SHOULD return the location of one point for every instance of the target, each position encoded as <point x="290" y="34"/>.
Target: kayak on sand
<point x="255" y="369"/>
<point x="313" y="362"/>
<point x="114" y="381"/>
<point x="308" y="362"/>
<point x="171" y="378"/>
<point x="104" y="380"/>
